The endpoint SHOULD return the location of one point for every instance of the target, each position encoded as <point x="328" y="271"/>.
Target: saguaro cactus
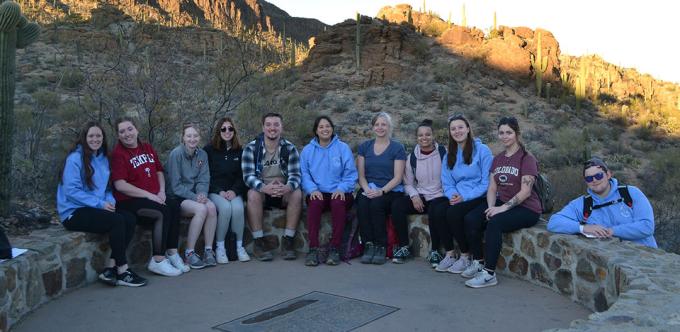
<point x="539" y="64"/>
<point x="580" y="85"/>
<point x="463" y="20"/>
<point x="15" y="32"/>
<point x="358" y="41"/>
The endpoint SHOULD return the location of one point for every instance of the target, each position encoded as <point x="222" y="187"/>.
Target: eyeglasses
<point x="590" y="178"/>
<point x="224" y="129"/>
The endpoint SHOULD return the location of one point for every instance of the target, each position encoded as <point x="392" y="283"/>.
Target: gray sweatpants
<point x="229" y="213"/>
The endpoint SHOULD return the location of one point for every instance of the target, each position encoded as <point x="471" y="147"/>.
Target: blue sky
<point x="635" y="34"/>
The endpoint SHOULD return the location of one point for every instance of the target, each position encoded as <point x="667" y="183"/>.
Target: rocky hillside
<point x="256" y="15"/>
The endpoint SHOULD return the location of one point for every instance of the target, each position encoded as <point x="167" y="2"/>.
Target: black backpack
<point x="5" y="247"/>
<point x="588" y="206"/>
<point x="543" y="189"/>
<point x="413" y="161"/>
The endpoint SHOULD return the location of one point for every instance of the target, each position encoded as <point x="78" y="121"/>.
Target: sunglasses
<point x="224" y="129"/>
<point x="591" y="178"/>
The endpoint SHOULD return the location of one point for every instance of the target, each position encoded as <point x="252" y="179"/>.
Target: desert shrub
<point x="569" y="144"/>
<point x="420" y="91"/>
<point x="567" y="181"/>
<point x="446" y="72"/>
<point x="72" y="78"/>
<point x="664" y="177"/>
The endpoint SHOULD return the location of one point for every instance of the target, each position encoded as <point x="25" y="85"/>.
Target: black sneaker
<point x="333" y="257"/>
<point x="379" y="258"/>
<point x="434" y="258"/>
<point x="288" y="248"/>
<point x="399" y="255"/>
<point x="130" y="279"/>
<point x="259" y="250"/>
<point x="312" y="258"/>
<point x="369" y="251"/>
<point x="108" y="276"/>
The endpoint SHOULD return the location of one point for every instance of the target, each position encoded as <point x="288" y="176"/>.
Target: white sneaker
<point x="473" y="269"/>
<point x="459" y="265"/>
<point x="242" y="254"/>
<point x="482" y="279"/>
<point x="221" y="254"/>
<point x="178" y="263"/>
<point x="163" y="268"/>
<point x="445" y="264"/>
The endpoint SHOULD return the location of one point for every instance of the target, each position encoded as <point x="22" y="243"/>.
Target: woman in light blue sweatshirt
<point x="85" y="203"/>
<point x="610" y="215"/>
<point x="465" y="179"/>
<point x="328" y="180"/>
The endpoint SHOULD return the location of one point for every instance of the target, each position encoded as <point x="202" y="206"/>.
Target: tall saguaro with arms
<point x="15" y="32"/>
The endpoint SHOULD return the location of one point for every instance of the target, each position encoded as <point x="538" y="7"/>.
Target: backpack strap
<point x="623" y="191"/>
<point x="412" y="160"/>
<point x="442" y="151"/>
<point x="587" y="208"/>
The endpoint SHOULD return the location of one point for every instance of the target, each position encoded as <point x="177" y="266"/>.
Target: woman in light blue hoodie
<point x="465" y="178"/>
<point x="328" y="180"/>
<point x="85" y="203"/>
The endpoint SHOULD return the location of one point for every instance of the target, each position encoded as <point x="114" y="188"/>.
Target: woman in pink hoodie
<point x="423" y="193"/>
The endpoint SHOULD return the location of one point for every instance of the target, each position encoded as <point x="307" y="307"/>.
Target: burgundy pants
<point x="338" y="209"/>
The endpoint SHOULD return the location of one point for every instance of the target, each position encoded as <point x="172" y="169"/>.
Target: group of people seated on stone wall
<point x="468" y="194"/>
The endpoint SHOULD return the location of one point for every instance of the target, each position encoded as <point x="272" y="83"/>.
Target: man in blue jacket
<point x="608" y="210"/>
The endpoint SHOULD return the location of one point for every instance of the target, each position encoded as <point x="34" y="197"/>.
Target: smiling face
<point x="324" y="130"/>
<point x="94" y="138"/>
<point x="459" y="131"/>
<point x="425" y="140"/>
<point x="507" y="136"/>
<point x="227" y="131"/>
<point x="272" y="127"/>
<point x="601" y="186"/>
<point x="381" y="128"/>
<point x="191" y="138"/>
<point x="127" y="134"/>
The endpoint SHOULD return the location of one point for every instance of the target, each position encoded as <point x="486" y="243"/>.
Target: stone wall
<point x="629" y="287"/>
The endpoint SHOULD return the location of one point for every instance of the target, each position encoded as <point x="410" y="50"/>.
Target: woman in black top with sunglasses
<point x="227" y="188"/>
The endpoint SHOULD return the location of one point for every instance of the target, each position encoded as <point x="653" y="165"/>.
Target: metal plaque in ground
<point x="315" y="311"/>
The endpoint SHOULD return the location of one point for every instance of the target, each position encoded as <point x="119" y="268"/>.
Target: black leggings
<point x="372" y="214"/>
<point x="164" y="218"/>
<point x="120" y="225"/>
<point x="402" y="207"/>
<point x="455" y="224"/>
<point x="509" y="221"/>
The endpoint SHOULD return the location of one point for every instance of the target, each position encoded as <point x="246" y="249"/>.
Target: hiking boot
<point x="400" y="255"/>
<point x="130" y="279"/>
<point x="312" y="258"/>
<point x="221" y="256"/>
<point x="333" y="257"/>
<point x="369" y="251"/>
<point x="379" y="258"/>
<point x="108" y="276"/>
<point x="445" y="264"/>
<point x="472" y="270"/>
<point x="194" y="261"/>
<point x="482" y="279"/>
<point x="259" y="252"/>
<point x="460" y="265"/>
<point x="288" y="248"/>
<point x="163" y="268"/>
<point x="178" y="263"/>
<point x="242" y="254"/>
<point x="209" y="257"/>
<point x="434" y="258"/>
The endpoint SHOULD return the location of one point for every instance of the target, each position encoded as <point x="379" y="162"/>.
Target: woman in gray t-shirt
<point x="381" y="166"/>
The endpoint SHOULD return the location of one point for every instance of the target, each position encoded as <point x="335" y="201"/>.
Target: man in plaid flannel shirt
<point x="271" y="170"/>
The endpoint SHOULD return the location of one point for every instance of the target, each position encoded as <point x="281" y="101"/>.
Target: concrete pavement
<point x="200" y="300"/>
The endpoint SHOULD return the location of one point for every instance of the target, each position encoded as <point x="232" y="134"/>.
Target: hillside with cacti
<point x="411" y="64"/>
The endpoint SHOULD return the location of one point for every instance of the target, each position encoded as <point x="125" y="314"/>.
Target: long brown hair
<point x="86" y="155"/>
<point x="453" y="145"/>
<point x="217" y="141"/>
<point x="130" y="120"/>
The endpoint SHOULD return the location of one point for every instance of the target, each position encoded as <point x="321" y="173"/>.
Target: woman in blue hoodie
<point x="85" y="203"/>
<point x="328" y="179"/>
<point x="465" y="179"/>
